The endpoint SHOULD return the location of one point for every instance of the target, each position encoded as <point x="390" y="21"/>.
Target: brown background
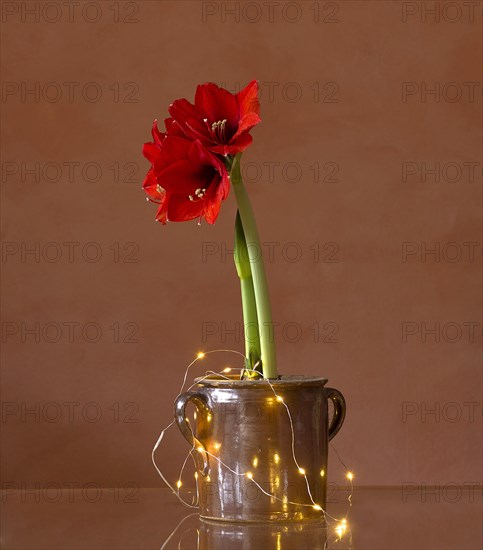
<point x="169" y="292"/>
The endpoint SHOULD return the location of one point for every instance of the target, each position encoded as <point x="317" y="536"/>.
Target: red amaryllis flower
<point x="185" y="179"/>
<point x="221" y="121"/>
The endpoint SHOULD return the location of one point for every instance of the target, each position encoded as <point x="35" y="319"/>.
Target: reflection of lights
<point x="349" y="476"/>
<point x="317" y="507"/>
<point x="217" y="445"/>
<point x="285" y="500"/>
<point x="228" y="369"/>
<point x="322" y="473"/>
<point x="249" y="475"/>
<point x="208" y="417"/>
<point x="255" y="462"/>
<point x="208" y="478"/>
<point x="301" y="471"/>
<point x="280" y="399"/>
<point x="195" y="415"/>
<point x="276" y="458"/>
<point x="200" y="449"/>
<point x="200" y="355"/>
<point x="196" y="475"/>
<point x="178" y="483"/>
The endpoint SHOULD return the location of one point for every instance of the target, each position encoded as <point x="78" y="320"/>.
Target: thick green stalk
<point x="250" y="318"/>
<point x="260" y="286"/>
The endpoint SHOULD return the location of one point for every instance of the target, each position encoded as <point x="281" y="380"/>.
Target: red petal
<point x="235" y="146"/>
<point x="182" y="110"/>
<point x="215" y="103"/>
<point x="151" y="151"/>
<point x="150" y="184"/>
<point x="181" y="209"/>
<point x="184" y="177"/>
<point x="247" y="99"/>
<point x="157" y="135"/>
<point x="162" y="213"/>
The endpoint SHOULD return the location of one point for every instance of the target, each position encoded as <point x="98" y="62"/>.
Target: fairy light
<point x="341" y="527"/>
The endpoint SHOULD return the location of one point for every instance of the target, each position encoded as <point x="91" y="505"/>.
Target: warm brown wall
<point x="168" y="292"/>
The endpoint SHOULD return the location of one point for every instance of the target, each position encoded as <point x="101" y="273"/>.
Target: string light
<point x="341" y="527"/>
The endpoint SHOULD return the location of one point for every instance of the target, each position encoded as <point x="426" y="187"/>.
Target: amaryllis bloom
<point x="185" y="179"/>
<point x="220" y="120"/>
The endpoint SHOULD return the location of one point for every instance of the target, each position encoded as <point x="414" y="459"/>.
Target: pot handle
<point x="201" y="402"/>
<point x="339" y="411"/>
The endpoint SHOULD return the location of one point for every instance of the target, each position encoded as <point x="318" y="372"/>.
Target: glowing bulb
<point x="200" y="355"/>
<point x="341" y="528"/>
<point x="217" y="445"/>
<point x="276" y="458"/>
<point x="350" y="476"/>
<point x="301" y="471"/>
<point x="200" y="449"/>
<point x="279" y="399"/>
<point x="255" y="462"/>
<point x="249" y="475"/>
<point x="208" y="417"/>
<point x="316" y="507"/>
<point x="322" y="473"/>
<point x="228" y="369"/>
<point x="178" y="483"/>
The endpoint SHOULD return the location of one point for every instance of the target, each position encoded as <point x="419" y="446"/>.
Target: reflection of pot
<point x="215" y="535"/>
<point x="245" y="426"/>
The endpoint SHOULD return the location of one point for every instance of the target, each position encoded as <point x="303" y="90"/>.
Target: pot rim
<point x="285" y="380"/>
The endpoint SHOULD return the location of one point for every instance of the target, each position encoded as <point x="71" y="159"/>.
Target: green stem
<point x="260" y="286"/>
<point x="250" y="318"/>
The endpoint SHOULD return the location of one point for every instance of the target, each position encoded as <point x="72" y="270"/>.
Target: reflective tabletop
<point x="408" y="518"/>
